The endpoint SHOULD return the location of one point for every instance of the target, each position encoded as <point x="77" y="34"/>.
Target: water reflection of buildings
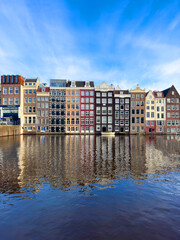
<point x="28" y="162"/>
<point x="162" y="153"/>
<point x="9" y="170"/>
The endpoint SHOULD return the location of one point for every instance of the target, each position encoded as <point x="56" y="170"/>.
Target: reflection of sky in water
<point x="89" y="187"/>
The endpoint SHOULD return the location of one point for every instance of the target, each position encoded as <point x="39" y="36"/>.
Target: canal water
<point x="89" y="187"/>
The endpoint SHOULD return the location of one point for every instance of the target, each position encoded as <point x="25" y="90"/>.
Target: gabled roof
<point x="166" y="91"/>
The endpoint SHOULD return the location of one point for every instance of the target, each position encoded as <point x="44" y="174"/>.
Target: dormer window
<point x="172" y="92"/>
<point x="159" y="94"/>
<point x="43" y="90"/>
<point x="73" y="84"/>
<point x="121" y="92"/>
<point x="87" y="84"/>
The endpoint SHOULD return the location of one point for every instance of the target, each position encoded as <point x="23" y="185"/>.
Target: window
<point x="133" y="119"/>
<point x="142" y="111"/>
<point x="117" y="107"/>
<point x="5" y="90"/>
<point x="82" y="93"/>
<point x="152" y="114"/>
<point x="147" y="123"/>
<point x="10" y="90"/>
<point x="117" y="100"/>
<point x="10" y="101"/>
<point x="98" y="120"/>
<point x="91" y="121"/>
<point x="91" y="93"/>
<point x="91" y="113"/>
<point x="137" y="96"/>
<point x="126" y="107"/>
<point x="133" y="104"/>
<point x="98" y="94"/>
<point x="109" y="110"/>
<point x="104" y="119"/>
<point x="109" y="100"/>
<point x="104" y="94"/>
<point x="91" y="106"/>
<point x="142" y="119"/>
<point x="117" y="114"/>
<point x="137" y="119"/>
<point x="148" y="114"/>
<point x="133" y="111"/>
<point x="116" y="122"/>
<point x="30" y="91"/>
<point x="98" y="110"/>
<point x="98" y="100"/>
<point x="34" y="99"/>
<point x="142" y="95"/>
<point x="133" y="95"/>
<point x="109" y="119"/>
<point x="34" y="109"/>
<point x="16" y="101"/>
<point x="29" y="100"/>
<point x="29" y="120"/>
<point x="34" y="119"/>
<point x="4" y="101"/>
<point x="137" y="111"/>
<point x="16" y="90"/>
<point x="104" y="100"/>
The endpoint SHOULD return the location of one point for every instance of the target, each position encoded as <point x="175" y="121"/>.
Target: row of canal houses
<point x="81" y="107"/>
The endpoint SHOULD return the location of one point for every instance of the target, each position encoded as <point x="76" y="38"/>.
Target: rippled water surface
<point x="89" y="187"/>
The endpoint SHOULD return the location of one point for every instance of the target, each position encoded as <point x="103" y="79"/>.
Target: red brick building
<point x="12" y="97"/>
<point x="87" y="116"/>
<point x="172" y="110"/>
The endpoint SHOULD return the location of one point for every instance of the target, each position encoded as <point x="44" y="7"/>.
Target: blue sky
<point x="120" y="42"/>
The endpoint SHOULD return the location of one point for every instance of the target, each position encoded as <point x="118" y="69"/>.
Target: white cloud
<point x="164" y="75"/>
